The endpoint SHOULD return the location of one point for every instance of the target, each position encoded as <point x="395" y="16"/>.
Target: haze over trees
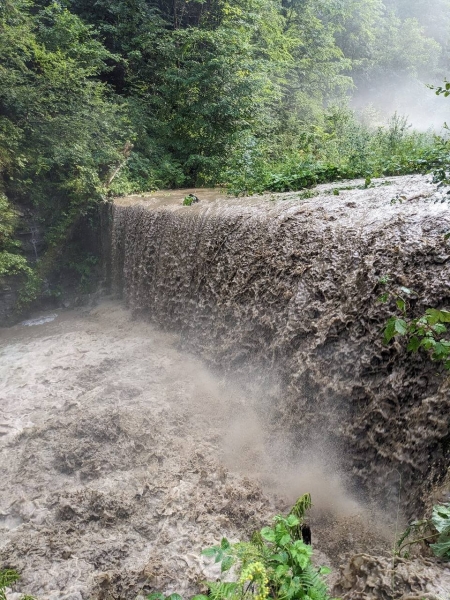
<point x="253" y="94"/>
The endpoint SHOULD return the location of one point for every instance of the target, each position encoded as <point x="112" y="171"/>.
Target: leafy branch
<point x="428" y="332"/>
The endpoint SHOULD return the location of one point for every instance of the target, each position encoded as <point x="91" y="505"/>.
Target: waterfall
<point x="289" y="286"/>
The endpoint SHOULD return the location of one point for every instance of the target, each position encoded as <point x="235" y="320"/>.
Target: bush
<point x="341" y="148"/>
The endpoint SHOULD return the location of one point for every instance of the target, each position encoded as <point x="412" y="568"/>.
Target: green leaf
<point x="301" y="559"/>
<point x="227" y="563"/>
<point x="219" y="556"/>
<point x="401" y="304"/>
<point x="400" y="326"/>
<point x="281" y="557"/>
<point x="268" y="534"/>
<point x="444" y="316"/>
<point x="383" y="298"/>
<point x="441" y="549"/>
<point x="414" y="344"/>
<point x="428" y="343"/>
<point x="389" y="331"/>
<point x="156" y="596"/>
<point x="433" y="316"/>
<point x="281" y="570"/>
<point x="284" y="540"/>
<point x="174" y="597"/>
<point x="441" y="517"/>
<point x="292" y="521"/>
<point x="440" y="351"/>
<point x="225" y="544"/>
<point x="325" y="570"/>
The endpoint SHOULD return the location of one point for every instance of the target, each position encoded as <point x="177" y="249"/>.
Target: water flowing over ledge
<point x="288" y="286"/>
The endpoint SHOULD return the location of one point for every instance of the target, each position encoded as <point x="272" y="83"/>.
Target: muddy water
<point x="122" y="457"/>
<point x="287" y="284"/>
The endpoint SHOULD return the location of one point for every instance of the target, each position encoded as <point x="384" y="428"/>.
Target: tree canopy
<point x="119" y="96"/>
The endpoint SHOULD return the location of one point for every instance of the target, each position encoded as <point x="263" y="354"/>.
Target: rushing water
<point x="288" y="285"/>
<point x="122" y="454"/>
<point x="122" y="457"/>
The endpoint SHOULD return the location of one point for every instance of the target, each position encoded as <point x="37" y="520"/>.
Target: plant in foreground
<point x="8" y="578"/>
<point x="276" y="563"/>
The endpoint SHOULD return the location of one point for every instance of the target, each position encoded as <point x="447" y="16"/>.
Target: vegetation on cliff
<point x="121" y="96"/>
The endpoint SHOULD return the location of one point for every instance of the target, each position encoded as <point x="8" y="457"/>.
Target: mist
<point x="407" y="59"/>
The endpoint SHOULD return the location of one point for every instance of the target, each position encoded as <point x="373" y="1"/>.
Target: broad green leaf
<point x="441" y="549"/>
<point x="414" y="344"/>
<point x="401" y="326"/>
<point x="445" y="316"/>
<point x="268" y="534"/>
<point x="441" y="517"/>
<point x="227" y="563"/>
<point x="285" y="539"/>
<point x="428" y="343"/>
<point x="300" y="559"/>
<point x="174" y="597"/>
<point x="433" y="316"/>
<point x="440" y="351"/>
<point x="156" y="596"/>
<point x="292" y="521"/>
<point x="281" y="570"/>
<point x="280" y="557"/>
<point x="325" y="570"/>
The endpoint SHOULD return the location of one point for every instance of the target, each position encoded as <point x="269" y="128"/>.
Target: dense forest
<point x="116" y="96"/>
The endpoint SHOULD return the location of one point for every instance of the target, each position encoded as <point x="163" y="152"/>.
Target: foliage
<point x="441" y="522"/>
<point x="343" y="148"/>
<point x="115" y="97"/>
<point x="60" y="134"/>
<point x="11" y="262"/>
<point x="436" y="530"/>
<point x="429" y="331"/>
<point x="8" y="578"/>
<point x="276" y="563"/>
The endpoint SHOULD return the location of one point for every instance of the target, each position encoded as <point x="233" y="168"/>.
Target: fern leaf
<point x="313" y="584"/>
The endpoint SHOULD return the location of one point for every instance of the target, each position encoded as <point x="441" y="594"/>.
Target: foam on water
<point x="39" y="320"/>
